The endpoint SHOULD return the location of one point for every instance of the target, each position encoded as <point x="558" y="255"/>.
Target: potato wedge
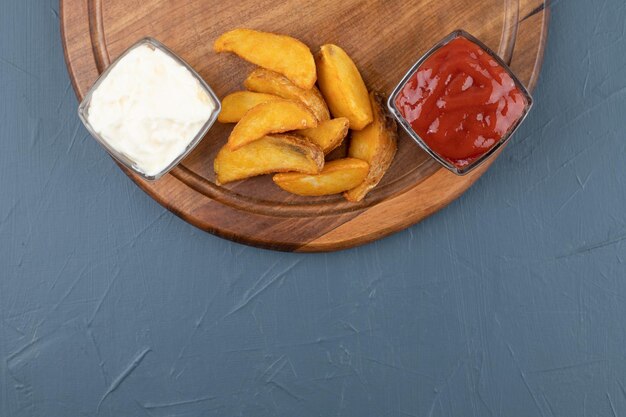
<point x="377" y="145"/>
<point x="235" y="105"/>
<point x="274" y="153"/>
<point x="336" y="177"/>
<point x="272" y="117"/>
<point x="342" y="86"/>
<point x="279" y="53"/>
<point x="328" y="135"/>
<point x="265" y="81"/>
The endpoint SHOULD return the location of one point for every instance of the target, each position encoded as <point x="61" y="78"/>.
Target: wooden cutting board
<point x="384" y="37"/>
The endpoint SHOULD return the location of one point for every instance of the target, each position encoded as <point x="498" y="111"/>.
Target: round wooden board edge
<point x="373" y="219"/>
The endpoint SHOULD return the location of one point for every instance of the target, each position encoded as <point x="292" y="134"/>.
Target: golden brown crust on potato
<point x="377" y="145"/>
<point x="270" y="154"/>
<point x="262" y="80"/>
<point x="277" y="116"/>
<point x="328" y="135"/>
<point x="236" y="105"/>
<point x="343" y="87"/>
<point x="279" y="53"/>
<point x="336" y="177"/>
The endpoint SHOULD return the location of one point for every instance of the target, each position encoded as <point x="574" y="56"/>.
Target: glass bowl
<point x="83" y="112"/>
<point x="407" y="126"/>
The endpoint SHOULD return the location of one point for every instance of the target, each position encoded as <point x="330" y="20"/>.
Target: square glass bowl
<point x="408" y="128"/>
<point x="83" y="111"/>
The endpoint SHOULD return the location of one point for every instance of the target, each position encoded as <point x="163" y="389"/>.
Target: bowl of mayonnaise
<point x="149" y="109"/>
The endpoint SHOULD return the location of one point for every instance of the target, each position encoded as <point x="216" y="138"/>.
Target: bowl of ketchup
<point x="460" y="102"/>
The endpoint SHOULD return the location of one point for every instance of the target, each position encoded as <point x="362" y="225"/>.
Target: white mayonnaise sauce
<point x="149" y="108"/>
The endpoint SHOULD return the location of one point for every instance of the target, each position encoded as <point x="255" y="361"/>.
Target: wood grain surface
<point x="383" y="37"/>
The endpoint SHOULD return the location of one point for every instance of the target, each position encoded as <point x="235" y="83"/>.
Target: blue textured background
<point x="511" y="302"/>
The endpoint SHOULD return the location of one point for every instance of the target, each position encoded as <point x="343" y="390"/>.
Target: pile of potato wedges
<point x="286" y="125"/>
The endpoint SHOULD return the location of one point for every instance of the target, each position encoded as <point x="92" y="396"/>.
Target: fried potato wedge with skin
<point x="343" y="87"/>
<point x="377" y="145"/>
<point x="279" y="53"/>
<point x="336" y="177"/>
<point x="262" y="80"/>
<point x="270" y="154"/>
<point x="271" y="117"/>
<point x="328" y="135"/>
<point x="235" y="105"/>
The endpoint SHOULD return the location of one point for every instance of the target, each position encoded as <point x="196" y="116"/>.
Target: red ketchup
<point x="461" y="102"/>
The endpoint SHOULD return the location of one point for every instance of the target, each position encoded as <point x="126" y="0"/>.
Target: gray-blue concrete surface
<point x="511" y="302"/>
